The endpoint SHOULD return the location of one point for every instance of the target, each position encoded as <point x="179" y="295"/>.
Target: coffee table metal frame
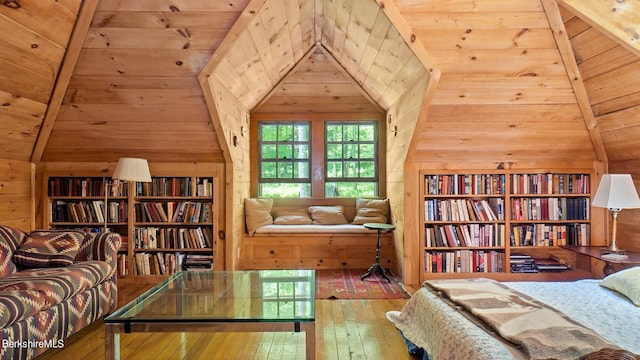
<point x="118" y="322"/>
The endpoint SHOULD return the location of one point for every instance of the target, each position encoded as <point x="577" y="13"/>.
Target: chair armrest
<point x="101" y="246"/>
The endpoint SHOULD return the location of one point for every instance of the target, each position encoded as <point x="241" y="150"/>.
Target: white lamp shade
<point x="132" y="169"/>
<point x="616" y="191"/>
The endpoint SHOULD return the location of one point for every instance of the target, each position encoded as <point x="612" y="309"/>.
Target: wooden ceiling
<point x="611" y="74"/>
<point x="286" y="41"/>
<point x="31" y="50"/>
<point x="94" y="80"/>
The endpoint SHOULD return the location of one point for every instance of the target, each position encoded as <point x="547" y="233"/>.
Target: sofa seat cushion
<point x="59" y="284"/>
<point x="16" y="305"/>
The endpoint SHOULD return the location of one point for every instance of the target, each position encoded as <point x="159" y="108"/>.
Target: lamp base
<point x="616" y="250"/>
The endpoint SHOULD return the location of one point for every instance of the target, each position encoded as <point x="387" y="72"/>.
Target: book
<point x="550" y="265"/>
<point x="614" y="257"/>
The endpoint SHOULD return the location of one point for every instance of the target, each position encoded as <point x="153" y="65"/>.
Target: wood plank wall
<point x="16" y="188"/>
<point x="402" y="119"/>
<point x="233" y="122"/>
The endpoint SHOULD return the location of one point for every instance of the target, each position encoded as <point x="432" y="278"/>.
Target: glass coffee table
<point x="212" y="301"/>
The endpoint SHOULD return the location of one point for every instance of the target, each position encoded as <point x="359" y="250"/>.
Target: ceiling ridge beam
<point x="80" y="30"/>
<point x="573" y="73"/>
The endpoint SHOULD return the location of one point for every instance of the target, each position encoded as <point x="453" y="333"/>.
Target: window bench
<point x="313" y="246"/>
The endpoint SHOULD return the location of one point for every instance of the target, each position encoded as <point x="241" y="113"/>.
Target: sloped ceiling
<point x="135" y="90"/>
<point x="609" y="63"/>
<point x="316" y="84"/>
<point x="31" y="51"/>
<point x="356" y="35"/>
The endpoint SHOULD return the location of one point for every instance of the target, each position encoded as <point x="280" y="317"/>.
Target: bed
<point x="434" y="321"/>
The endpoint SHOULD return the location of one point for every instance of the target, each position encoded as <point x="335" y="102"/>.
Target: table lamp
<point x="127" y="169"/>
<point x="616" y="192"/>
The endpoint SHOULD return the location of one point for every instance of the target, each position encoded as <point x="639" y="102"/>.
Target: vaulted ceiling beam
<point x="568" y="57"/>
<point x="64" y="76"/>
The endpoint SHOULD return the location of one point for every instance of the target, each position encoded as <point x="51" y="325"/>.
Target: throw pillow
<point x="257" y="213"/>
<point x="626" y="282"/>
<point x="371" y="211"/>
<point x="292" y="217"/>
<point x="49" y="248"/>
<point x="328" y="215"/>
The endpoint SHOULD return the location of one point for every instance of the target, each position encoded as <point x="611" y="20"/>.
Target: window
<point x="351" y="159"/>
<point x="319" y="155"/>
<point x="284" y="149"/>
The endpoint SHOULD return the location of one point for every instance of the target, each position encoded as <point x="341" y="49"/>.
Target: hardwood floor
<point x="345" y="329"/>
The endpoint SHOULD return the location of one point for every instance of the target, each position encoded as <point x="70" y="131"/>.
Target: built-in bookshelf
<point x="173" y="225"/>
<point x="166" y="225"/>
<point x="474" y="222"/>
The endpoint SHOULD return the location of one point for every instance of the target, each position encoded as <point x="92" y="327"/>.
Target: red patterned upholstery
<point x="59" y="284"/>
<point x="16" y="305"/>
<point x="44" y="305"/>
<point x="49" y="248"/>
<point x="10" y="240"/>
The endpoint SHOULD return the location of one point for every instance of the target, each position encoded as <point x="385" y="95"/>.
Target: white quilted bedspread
<point x="444" y="333"/>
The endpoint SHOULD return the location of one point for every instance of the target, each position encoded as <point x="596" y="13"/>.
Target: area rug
<point x="346" y="284"/>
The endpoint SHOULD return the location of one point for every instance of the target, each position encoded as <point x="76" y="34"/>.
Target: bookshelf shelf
<point x="78" y="202"/>
<point x="474" y="220"/>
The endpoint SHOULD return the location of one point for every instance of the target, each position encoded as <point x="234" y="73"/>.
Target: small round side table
<point x="376" y="267"/>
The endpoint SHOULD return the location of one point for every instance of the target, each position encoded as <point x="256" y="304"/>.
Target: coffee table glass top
<point x="261" y="295"/>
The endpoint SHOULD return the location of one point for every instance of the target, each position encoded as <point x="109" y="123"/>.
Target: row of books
<point x="170" y="263"/>
<point x="87" y="211"/>
<point x="172" y="238"/>
<point x="463" y="235"/>
<point x="550" y="184"/>
<point x="173" y="211"/>
<point x="464" y="261"/>
<point x="74" y="186"/>
<point x="123" y="265"/>
<point x="465" y="184"/>
<point x="550" y="235"/>
<point x="550" y="208"/>
<point x="523" y="263"/>
<point x="464" y="209"/>
<point x="175" y="186"/>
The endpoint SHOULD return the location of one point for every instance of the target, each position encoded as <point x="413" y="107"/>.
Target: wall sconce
<point x="243" y="131"/>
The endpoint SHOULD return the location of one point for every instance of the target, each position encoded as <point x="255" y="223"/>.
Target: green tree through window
<point x="349" y="154"/>
<point x="284" y="149"/>
<point x="351" y="159"/>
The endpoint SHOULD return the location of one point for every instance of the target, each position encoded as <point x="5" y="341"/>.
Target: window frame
<point x="345" y="179"/>
<point x="317" y="150"/>
<point x="293" y="160"/>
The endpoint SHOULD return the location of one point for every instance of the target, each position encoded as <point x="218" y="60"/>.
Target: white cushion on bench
<point x="314" y="229"/>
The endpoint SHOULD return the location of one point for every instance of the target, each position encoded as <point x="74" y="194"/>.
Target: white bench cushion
<point x="314" y="229"/>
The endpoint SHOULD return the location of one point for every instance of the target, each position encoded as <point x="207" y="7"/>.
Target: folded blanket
<point x="542" y="331"/>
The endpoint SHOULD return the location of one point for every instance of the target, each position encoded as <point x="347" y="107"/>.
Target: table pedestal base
<point x="376" y="268"/>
